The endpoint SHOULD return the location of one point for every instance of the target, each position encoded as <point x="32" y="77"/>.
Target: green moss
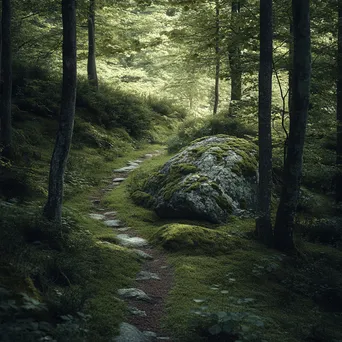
<point x="182" y="237"/>
<point x="223" y="203"/>
<point x="142" y="198"/>
<point x="182" y="169"/>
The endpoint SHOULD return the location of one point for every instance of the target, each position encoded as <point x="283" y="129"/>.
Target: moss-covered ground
<point x="259" y="293"/>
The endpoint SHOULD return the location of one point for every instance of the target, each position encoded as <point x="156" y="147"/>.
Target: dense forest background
<point x="117" y="80"/>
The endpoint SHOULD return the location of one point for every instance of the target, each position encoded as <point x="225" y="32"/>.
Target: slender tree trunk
<point x="285" y="219"/>
<point x="263" y="222"/>
<point x="6" y="96"/>
<point x="290" y="67"/>
<point x="53" y="207"/>
<point x="92" y="74"/>
<point x="235" y="55"/>
<point x="217" y="55"/>
<point x="339" y="109"/>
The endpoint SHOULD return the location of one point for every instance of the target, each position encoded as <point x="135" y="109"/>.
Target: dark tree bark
<point x="339" y="109"/>
<point x="217" y="56"/>
<point x="283" y="232"/>
<point x="53" y="207"/>
<point x="263" y="222"/>
<point x="92" y="74"/>
<point x="235" y="55"/>
<point x="6" y="95"/>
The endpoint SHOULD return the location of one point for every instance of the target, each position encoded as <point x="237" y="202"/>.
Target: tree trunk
<point x="6" y="96"/>
<point x="217" y="56"/>
<point x="92" y="74"/>
<point x="263" y="222"/>
<point x="53" y="207"/>
<point x="339" y="109"/>
<point x="283" y="232"/>
<point x="235" y="55"/>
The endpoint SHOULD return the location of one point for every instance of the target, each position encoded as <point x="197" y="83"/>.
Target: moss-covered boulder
<point x="184" y="237"/>
<point x="211" y="179"/>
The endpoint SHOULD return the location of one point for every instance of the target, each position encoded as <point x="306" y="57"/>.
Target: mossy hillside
<point x="197" y="239"/>
<point x="279" y="290"/>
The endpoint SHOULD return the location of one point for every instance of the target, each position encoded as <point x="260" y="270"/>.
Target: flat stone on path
<point x="142" y="254"/>
<point x="113" y="223"/>
<point x="126" y="169"/>
<point x="137" y="161"/>
<point x="109" y="213"/>
<point x="133" y="293"/>
<point x="97" y="216"/>
<point x="148" y="155"/>
<point x="123" y="229"/>
<point x="136" y="312"/>
<point x="127" y="241"/>
<point x="144" y="275"/>
<point x="118" y="180"/>
<point x="150" y="334"/>
<point x="129" y="333"/>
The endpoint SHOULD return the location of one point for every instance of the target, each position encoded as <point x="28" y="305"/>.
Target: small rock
<point x="164" y="267"/>
<point x="128" y="241"/>
<point x="144" y="275"/>
<point x="124" y="229"/>
<point x="142" y="254"/>
<point x="133" y="164"/>
<point x="97" y="216"/>
<point x="118" y="180"/>
<point x="129" y="333"/>
<point x="138" y="161"/>
<point x="109" y="213"/>
<point x="148" y="155"/>
<point x="125" y="169"/>
<point x="133" y="293"/>
<point x="150" y="334"/>
<point x="113" y="223"/>
<point x="136" y="312"/>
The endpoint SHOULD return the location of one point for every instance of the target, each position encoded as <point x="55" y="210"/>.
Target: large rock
<point x="129" y="333"/>
<point x="211" y="179"/>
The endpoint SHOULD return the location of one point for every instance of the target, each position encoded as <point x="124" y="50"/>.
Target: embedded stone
<point x="118" y="179"/>
<point x="129" y="333"/>
<point x="98" y="217"/>
<point x="113" y="223"/>
<point x="144" y="275"/>
<point x="133" y="293"/>
<point x="136" y="312"/>
<point x="127" y="241"/>
<point x="142" y="254"/>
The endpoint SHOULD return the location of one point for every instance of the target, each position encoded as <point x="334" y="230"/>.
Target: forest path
<point x="146" y="300"/>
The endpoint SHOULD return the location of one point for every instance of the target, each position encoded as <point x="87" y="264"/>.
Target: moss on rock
<point x="183" y="237"/>
<point x="207" y="180"/>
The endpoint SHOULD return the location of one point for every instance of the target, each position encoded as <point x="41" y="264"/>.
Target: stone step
<point x="119" y="179"/>
<point x="133" y="293"/>
<point x="113" y="223"/>
<point x="125" y="169"/>
<point x="129" y="333"/>
<point x="142" y="254"/>
<point x="145" y="275"/>
<point x="110" y="213"/>
<point x="127" y="241"/>
<point x="98" y="217"/>
<point x="136" y="312"/>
